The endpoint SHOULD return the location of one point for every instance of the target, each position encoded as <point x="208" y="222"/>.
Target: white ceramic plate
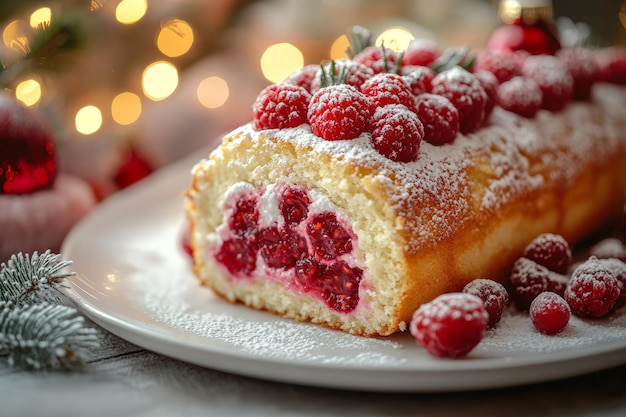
<point x="135" y="280"/>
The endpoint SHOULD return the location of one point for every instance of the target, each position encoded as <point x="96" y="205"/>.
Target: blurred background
<point x="132" y="85"/>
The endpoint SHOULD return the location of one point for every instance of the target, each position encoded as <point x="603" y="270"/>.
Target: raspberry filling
<point x="282" y="233"/>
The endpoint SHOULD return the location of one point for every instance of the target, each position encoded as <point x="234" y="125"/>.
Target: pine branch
<point x="26" y="279"/>
<point x="359" y="39"/>
<point x="45" y="336"/>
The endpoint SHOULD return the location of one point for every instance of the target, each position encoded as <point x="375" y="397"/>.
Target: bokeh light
<point x="280" y="60"/>
<point x="213" y="92"/>
<point x="28" y="92"/>
<point x="159" y="80"/>
<point x="41" y="17"/>
<point x="126" y="108"/>
<point x="175" y="38"/>
<point x="14" y="36"/>
<point x="88" y="120"/>
<point x="395" y="38"/>
<point x="130" y="11"/>
<point x="339" y="48"/>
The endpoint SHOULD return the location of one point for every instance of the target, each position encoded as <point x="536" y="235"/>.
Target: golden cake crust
<point x="460" y="212"/>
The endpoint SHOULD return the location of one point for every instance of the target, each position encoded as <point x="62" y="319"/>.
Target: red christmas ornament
<point x="528" y="26"/>
<point x="27" y="152"/>
<point x="133" y="168"/>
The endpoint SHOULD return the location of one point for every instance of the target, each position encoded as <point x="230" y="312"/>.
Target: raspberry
<point x="549" y="313"/>
<point x="422" y="52"/>
<point x="372" y="57"/>
<point x="303" y="77"/>
<point x="281" y="248"/>
<point x="294" y="203"/>
<point x="341" y="286"/>
<point x="493" y="295"/>
<point x="451" y="325"/>
<point x="502" y="64"/>
<point x="328" y="238"/>
<point x="490" y="83"/>
<point x="552" y="77"/>
<point x="386" y="88"/>
<point x="520" y="95"/>
<point x="529" y="279"/>
<point x="611" y="64"/>
<point x="581" y="64"/>
<point x="238" y="255"/>
<point x="609" y="248"/>
<point x="465" y="93"/>
<point x="618" y="269"/>
<point x="280" y="106"/>
<point x="339" y="112"/>
<point x="418" y="78"/>
<point x="593" y="290"/>
<point x="551" y="251"/>
<point x="244" y="219"/>
<point x="396" y="133"/>
<point x="345" y="71"/>
<point x="439" y="117"/>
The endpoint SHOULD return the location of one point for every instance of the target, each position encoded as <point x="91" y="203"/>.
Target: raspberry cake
<point x="355" y="197"/>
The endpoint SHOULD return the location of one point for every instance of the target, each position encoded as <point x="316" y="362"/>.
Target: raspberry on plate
<point x="553" y="78"/>
<point x="529" y="279"/>
<point x="551" y="251"/>
<point x="549" y="313"/>
<point x="451" y="325"/>
<point x="387" y="88"/>
<point x="520" y="95"/>
<point x="609" y="248"/>
<point x="439" y="117"/>
<point x="494" y="297"/>
<point x="280" y="106"/>
<point x="618" y="269"/>
<point x="396" y="132"/>
<point x="466" y="94"/>
<point x="593" y="289"/>
<point x="339" y="112"/>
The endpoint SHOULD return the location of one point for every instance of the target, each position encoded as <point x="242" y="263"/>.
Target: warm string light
<point x="280" y="60"/>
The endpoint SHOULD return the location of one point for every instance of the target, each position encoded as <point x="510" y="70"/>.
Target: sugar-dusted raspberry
<point x="397" y="133"/>
<point x="581" y="64"/>
<point x="502" y="64"/>
<point x="494" y="297"/>
<point x="244" y="218"/>
<point x="280" y="106"/>
<point x="520" y="95"/>
<point x="553" y="78"/>
<point x="439" y="117"/>
<point x="341" y="71"/>
<point x="466" y="94"/>
<point x="422" y="52"/>
<point x="451" y="325"/>
<point x="339" y="112"/>
<point x="387" y="88"/>
<point x="328" y="237"/>
<point x="551" y="251"/>
<point x="490" y="85"/>
<point x="529" y="279"/>
<point x="618" y="269"/>
<point x="609" y="247"/>
<point x="303" y="77"/>
<point x="377" y="58"/>
<point x="593" y="289"/>
<point x="419" y="78"/>
<point x="611" y="64"/>
<point x="549" y="313"/>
